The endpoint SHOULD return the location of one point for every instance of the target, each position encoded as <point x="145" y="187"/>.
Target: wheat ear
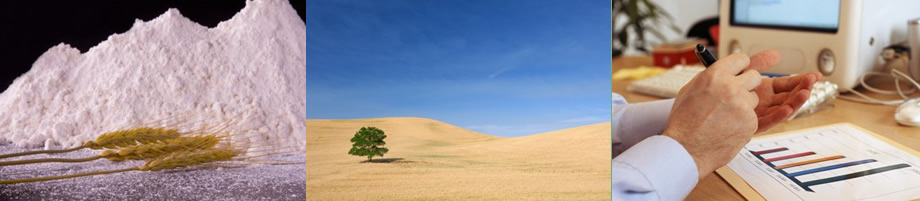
<point x="123" y="138"/>
<point x="157" y="149"/>
<point x="190" y="158"/>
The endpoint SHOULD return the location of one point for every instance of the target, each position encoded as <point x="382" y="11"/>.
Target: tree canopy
<point x="368" y="141"/>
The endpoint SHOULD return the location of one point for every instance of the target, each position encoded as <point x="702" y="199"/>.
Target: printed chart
<point x="836" y="162"/>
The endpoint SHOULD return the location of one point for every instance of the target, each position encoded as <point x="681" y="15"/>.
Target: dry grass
<point x="432" y="160"/>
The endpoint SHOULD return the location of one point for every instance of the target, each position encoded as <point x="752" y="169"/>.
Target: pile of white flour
<point x="249" y="71"/>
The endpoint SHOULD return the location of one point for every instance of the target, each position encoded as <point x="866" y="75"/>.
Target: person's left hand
<point x="779" y="97"/>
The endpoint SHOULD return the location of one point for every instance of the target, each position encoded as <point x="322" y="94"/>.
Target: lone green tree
<point x="368" y="142"/>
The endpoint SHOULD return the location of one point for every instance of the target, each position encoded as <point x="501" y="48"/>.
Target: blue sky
<point x="505" y="68"/>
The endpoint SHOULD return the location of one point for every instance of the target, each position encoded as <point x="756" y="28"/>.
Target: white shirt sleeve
<point x="658" y="168"/>
<point x="647" y="166"/>
<point x="635" y="122"/>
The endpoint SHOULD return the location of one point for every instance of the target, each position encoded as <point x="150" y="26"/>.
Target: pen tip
<point x="700" y="47"/>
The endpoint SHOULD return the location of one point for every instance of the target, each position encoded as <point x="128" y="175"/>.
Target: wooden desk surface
<point x="876" y="118"/>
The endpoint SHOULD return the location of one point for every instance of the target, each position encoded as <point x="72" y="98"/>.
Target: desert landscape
<point x="433" y="160"/>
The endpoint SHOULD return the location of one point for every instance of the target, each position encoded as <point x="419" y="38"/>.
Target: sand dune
<point x="430" y="159"/>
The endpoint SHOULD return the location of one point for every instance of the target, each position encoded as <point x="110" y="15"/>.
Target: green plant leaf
<point x="623" y="36"/>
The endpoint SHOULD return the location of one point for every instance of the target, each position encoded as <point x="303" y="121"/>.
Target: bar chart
<point x="838" y="162"/>
<point x="806" y="185"/>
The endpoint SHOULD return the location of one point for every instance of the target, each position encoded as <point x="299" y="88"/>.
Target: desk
<point x="876" y="118"/>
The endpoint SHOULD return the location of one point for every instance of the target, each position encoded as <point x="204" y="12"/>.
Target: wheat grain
<point x="129" y="137"/>
<point x="189" y="158"/>
<point x="157" y="149"/>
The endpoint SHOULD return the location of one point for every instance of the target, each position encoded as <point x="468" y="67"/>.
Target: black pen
<point x="704" y="55"/>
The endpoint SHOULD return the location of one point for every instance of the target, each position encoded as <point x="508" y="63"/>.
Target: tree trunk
<point x="370" y="158"/>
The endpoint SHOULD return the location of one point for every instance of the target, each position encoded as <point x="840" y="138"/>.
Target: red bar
<point x="788" y="157"/>
<point x="770" y="151"/>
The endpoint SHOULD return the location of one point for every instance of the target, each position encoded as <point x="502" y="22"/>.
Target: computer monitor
<point x="842" y="39"/>
<point x="792" y="15"/>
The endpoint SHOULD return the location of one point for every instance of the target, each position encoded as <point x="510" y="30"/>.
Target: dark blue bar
<point x="856" y="174"/>
<point x="826" y="168"/>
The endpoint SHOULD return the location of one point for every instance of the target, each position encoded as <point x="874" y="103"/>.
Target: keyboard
<point x="668" y="83"/>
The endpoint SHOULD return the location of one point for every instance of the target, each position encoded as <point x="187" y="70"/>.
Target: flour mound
<point x="248" y="71"/>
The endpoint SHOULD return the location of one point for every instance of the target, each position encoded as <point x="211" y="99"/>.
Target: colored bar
<point x="770" y="151"/>
<point x="808" y="162"/>
<point x="826" y="168"/>
<point x="855" y="175"/>
<point x="788" y="156"/>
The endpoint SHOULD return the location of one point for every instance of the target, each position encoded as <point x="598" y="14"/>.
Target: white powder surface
<point x="248" y="71"/>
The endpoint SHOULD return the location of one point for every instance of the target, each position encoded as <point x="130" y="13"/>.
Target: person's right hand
<point x="713" y="115"/>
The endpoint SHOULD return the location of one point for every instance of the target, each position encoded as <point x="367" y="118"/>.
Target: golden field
<point x="433" y="160"/>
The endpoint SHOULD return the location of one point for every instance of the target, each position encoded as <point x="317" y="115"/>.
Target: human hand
<point x="713" y="115"/>
<point x="779" y="97"/>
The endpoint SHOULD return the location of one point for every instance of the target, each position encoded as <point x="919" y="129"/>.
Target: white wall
<point x="685" y="13"/>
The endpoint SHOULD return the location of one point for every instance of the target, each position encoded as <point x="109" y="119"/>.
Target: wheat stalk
<point x="114" y="139"/>
<point x="137" y="152"/>
<point x="178" y="159"/>
<point x="26" y="153"/>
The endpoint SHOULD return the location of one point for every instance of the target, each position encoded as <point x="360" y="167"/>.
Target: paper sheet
<point x="836" y="162"/>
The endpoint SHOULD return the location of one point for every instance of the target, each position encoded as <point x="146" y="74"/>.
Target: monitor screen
<point x="810" y="15"/>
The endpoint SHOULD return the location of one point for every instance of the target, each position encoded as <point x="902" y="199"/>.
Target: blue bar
<point x="826" y="168"/>
<point x="772" y="75"/>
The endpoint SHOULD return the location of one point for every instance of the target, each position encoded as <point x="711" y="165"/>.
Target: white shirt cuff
<point x="664" y="163"/>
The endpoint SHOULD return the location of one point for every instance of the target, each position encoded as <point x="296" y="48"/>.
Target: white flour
<point x="169" y="68"/>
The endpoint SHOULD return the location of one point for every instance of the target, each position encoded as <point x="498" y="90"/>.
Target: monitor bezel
<point x="731" y="20"/>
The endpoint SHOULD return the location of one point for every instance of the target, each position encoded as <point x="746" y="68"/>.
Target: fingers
<point x="751" y="99"/>
<point x="779" y="98"/>
<point x="785" y="84"/>
<point x="750" y="79"/>
<point x="764" y="60"/>
<point x="732" y="64"/>
<point x="793" y="99"/>
<point x="798" y="99"/>
<point x="775" y="115"/>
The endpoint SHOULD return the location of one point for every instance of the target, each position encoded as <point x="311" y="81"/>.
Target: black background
<point x="29" y="28"/>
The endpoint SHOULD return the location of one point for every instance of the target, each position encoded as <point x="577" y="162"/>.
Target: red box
<point x="668" y="55"/>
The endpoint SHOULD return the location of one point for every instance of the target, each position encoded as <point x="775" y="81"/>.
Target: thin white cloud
<point x="499" y="72"/>
<point x="588" y="119"/>
<point x="513" y="59"/>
